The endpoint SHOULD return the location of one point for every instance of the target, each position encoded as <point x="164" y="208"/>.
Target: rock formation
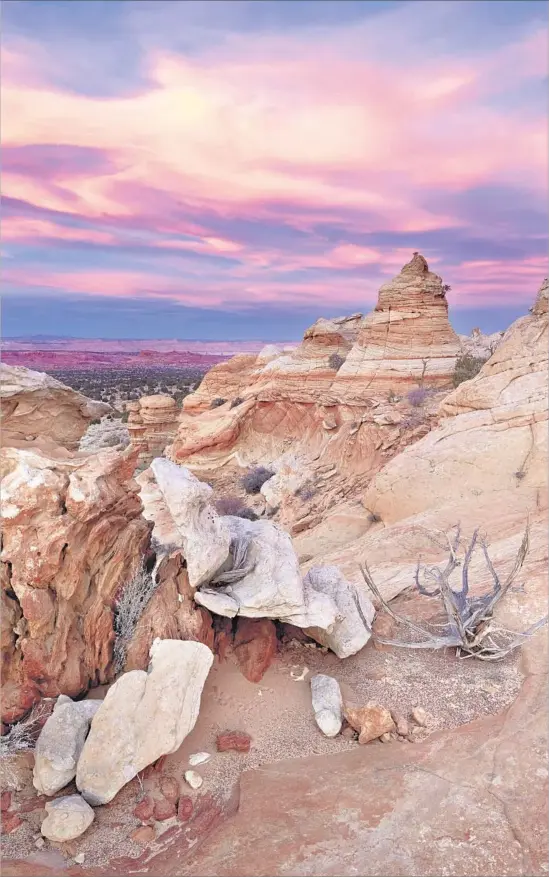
<point x="60" y="743"/>
<point x="36" y="406"/>
<point x="480" y="345"/>
<point x="143" y="716"/>
<point x="72" y="535"/>
<point x="152" y="424"/>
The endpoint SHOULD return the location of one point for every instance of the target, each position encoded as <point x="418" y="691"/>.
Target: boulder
<point x="327" y="704"/>
<point x="255" y="645"/>
<point x="36" y="406"/>
<point x="67" y="818"/>
<point x="60" y="743"/>
<point x="143" y="716"/>
<point x="349" y="634"/>
<point x="202" y="533"/>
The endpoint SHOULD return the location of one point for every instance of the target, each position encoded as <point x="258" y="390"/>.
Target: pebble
<point x="419" y="716"/>
<point x="386" y="738"/>
<point x="401" y="724"/>
<point x="5" y="801"/>
<point x="199" y="758"/>
<point x="143" y="835"/>
<point x="164" y="809"/>
<point x="169" y="788"/>
<point x="193" y="779"/>
<point x="144" y="810"/>
<point x="238" y="741"/>
<point x="80" y="859"/>
<point x="39" y="843"/>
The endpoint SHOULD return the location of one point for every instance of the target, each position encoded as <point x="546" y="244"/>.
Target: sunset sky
<point x="238" y="168"/>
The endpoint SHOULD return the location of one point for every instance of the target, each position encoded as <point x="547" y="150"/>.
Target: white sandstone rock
<point x="60" y="743"/>
<point x="67" y="818"/>
<point x="199" y="758"/>
<point x="193" y="779"/>
<point x="203" y="534"/>
<point x="271" y="586"/>
<point x="143" y="716"/>
<point x="327" y="704"/>
<point x="349" y="634"/>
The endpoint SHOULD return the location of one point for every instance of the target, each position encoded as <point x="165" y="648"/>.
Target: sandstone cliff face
<point x="72" y="534"/>
<point x="36" y="406"/>
<point x="152" y="424"/>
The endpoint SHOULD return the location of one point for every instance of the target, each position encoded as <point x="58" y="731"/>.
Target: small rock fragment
<point x="145" y="809"/>
<point x="371" y="721"/>
<point x="238" y="741"/>
<point x="193" y="779"/>
<point x="11" y="822"/>
<point x="199" y="758"/>
<point x="296" y="675"/>
<point x="164" y="809"/>
<point x="5" y="801"/>
<point x="185" y="809"/>
<point x="419" y="716"/>
<point x="401" y="724"/>
<point x="327" y="704"/>
<point x="143" y="835"/>
<point x="387" y="738"/>
<point x="170" y="789"/>
<point x="80" y="859"/>
<point x="67" y="818"/>
<point x="39" y="843"/>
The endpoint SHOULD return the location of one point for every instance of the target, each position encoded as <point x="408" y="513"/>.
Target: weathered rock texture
<point x="152" y="424"/>
<point x="72" y="534"/>
<point x="60" y="743"/>
<point x="327" y="704"/>
<point x="67" y="818"/>
<point x="36" y="406"/>
<point x="143" y="716"/>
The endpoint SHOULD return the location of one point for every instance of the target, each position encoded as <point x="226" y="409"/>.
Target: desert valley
<point x="281" y="612"/>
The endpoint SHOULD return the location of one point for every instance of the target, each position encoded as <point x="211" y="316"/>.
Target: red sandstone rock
<point x="164" y="809"/>
<point x="223" y="637"/>
<point x="11" y="822"/>
<point x="144" y="810"/>
<point x="169" y="788"/>
<point x="238" y="741"/>
<point x="255" y="645"/>
<point x="152" y="424"/>
<point x="143" y="835"/>
<point x="184" y="808"/>
<point x="5" y="801"/>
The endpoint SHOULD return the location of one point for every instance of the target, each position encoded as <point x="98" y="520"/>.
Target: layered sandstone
<point x="72" y="536"/>
<point x="152" y="424"/>
<point x="36" y="406"/>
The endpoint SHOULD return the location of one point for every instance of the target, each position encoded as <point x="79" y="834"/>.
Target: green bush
<point x="467" y="367"/>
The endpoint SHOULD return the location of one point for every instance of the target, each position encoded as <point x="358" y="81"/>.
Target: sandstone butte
<point x="73" y="529"/>
<point x="152" y="424"/>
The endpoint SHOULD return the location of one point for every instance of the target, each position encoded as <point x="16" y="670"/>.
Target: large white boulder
<point x="271" y="585"/>
<point x="67" y="818"/>
<point x="60" y="743"/>
<point x="349" y="634"/>
<point x="143" y="716"/>
<point x="202" y="533"/>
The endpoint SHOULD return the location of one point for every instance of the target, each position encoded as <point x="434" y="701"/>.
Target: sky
<point x="237" y="168"/>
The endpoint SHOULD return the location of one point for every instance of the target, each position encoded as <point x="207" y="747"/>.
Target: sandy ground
<point x="277" y="714"/>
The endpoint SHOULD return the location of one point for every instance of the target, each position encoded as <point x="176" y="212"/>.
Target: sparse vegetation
<point x="446" y="288"/>
<point x="236" y="402"/>
<point x="467" y="367"/>
<point x="306" y="491"/>
<point x="417" y="397"/>
<point x="469" y="626"/>
<point x="255" y="478"/>
<point x="21" y="737"/>
<point x="216" y="403"/>
<point x="118" y="385"/>
<point x="373" y="517"/>
<point x="232" y="505"/>
<point x="129" y="608"/>
<point x="336" y="361"/>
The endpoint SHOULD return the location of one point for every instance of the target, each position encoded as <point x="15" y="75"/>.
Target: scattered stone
<point x="11" y="822"/>
<point x="193" y="779"/>
<point x="170" y="789"/>
<point x="164" y="809"/>
<point x="60" y="743"/>
<point x="199" y="758"/>
<point x="401" y="724"/>
<point x="327" y="704"/>
<point x="388" y="738"/>
<point x="80" y="859"/>
<point x="143" y="716"/>
<point x="371" y="721"/>
<point x="144" y="810"/>
<point x="67" y="818"/>
<point x="39" y="843"/>
<point x="419" y="716"/>
<point x="185" y="809"/>
<point x="5" y="801"/>
<point x="255" y="645"/>
<point x="143" y="835"/>
<point x="238" y="741"/>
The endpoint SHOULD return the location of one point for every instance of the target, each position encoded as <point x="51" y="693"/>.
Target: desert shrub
<point x="446" y="288"/>
<point x="374" y="518"/>
<point x="336" y="361"/>
<point x="128" y="609"/>
<point x="237" y="401"/>
<point x="95" y="421"/>
<point x="125" y="415"/>
<point x="467" y="367"/>
<point x="255" y="478"/>
<point x="417" y="397"/>
<point x="215" y="403"/>
<point x="306" y="491"/>
<point x="21" y="737"/>
<point x="232" y="505"/>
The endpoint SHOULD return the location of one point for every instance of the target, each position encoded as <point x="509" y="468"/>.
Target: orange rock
<point x="143" y="835"/>
<point x="371" y="721"/>
<point x="255" y="645"/>
<point x="152" y="424"/>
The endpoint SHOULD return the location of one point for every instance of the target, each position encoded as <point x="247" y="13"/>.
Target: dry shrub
<point x="215" y="403"/>
<point x="255" y="478"/>
<point x="336" y="361"/>
<point x="467" y="367"/>
<point x="129" y="608"/>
